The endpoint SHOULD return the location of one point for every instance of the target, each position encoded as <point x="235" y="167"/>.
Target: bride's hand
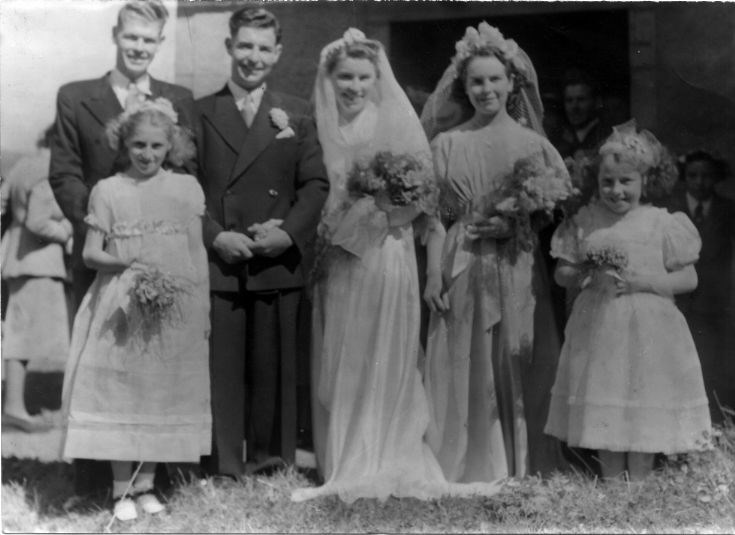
<point x="496" y="228"/>
<point x="434" y="294"/>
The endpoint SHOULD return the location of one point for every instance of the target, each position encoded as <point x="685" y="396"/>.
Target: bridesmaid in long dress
<point x="488" y="376"/>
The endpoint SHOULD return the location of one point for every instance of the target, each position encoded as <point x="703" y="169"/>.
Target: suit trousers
<point x="254" y="368"/>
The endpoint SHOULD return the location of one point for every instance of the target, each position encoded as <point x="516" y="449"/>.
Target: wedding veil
<point x="395" y="127"/>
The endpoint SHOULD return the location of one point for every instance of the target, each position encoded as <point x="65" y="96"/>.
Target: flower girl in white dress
<point x="629" y="383"/>
<point x="137" y="381"/>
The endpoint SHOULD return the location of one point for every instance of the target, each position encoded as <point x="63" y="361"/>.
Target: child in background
<point x="36" y="328"/>
<point x="137" y="381"/>
<point x="629" y="383"/>
<point x="708" y="309"/>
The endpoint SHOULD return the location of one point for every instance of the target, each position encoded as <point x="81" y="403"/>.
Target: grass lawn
<point x="687" y="494"/>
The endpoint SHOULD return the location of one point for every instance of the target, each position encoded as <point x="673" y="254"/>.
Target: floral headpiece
<point x="160" y="104"/>
<point x="116" y="126"/>
<point x="484" y="37"/>
<point x="351" y="36"/>
<point x="643" y="147"/>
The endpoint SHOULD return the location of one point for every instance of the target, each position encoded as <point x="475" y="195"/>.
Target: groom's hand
<point x="233" y="247"/>
<point x="273" y="243"/>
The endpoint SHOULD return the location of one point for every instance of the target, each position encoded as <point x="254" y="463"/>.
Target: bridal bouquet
<point x="531" y="190"/>
<point x="154" y="295"/>
<point x="404" y="179"/>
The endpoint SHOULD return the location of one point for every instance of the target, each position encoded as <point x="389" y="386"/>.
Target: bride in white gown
<point x="370" y="409"/>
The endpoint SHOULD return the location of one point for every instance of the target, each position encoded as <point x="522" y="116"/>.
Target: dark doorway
<point x="595" y="41"/>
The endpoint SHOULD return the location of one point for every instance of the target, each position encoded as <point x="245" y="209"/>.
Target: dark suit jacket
<point x="713" y="268"/>
<point x="565" y="140"/>
<point x="80" y="155"/>
<point x="250" y="176"/>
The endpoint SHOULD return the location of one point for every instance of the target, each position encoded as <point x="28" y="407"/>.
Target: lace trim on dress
<point x="128" y="229"/>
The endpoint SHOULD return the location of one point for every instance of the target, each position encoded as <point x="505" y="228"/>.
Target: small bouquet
<point x="154" y="295"/>
<point x="610" y="259"/>
<point x="531" y="190"/>
<point x="405" y="179"/>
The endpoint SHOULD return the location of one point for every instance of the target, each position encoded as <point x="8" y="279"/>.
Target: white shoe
<point x="125" y="509"/>
<point x="149" y="503"/>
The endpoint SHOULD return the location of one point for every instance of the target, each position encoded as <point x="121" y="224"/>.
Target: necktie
<point x="135" y="96"/>
<point x="698" y="214"/>
<point x="248" y="111"/>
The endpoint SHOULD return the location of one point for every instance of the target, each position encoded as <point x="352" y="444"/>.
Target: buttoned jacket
<point x="251" y="175"/>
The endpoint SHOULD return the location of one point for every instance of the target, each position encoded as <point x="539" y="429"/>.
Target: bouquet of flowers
<point x="154" y="296"/>
<point x="531" y="190"/>
<point x="610" y="258"/>
<point x="404" y="179"/>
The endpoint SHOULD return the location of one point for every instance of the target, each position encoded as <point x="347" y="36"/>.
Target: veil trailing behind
<point x="370" y="411"/>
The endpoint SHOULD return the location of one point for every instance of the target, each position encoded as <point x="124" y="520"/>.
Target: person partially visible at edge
<point x="81" y="156"/>
<point x="709" y="308"/>
<point x="36" y="328"/>
<point x="260" y="165"/>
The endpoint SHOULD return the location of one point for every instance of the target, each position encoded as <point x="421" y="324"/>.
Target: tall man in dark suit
<point x="80" y="155"/>
<point x="259" y="161"/>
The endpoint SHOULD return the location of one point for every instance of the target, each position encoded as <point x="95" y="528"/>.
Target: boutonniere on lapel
<point x="279" y="119"/>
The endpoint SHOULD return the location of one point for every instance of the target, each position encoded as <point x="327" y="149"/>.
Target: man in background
<point x="582" y="130"/>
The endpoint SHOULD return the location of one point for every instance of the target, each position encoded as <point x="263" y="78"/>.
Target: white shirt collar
<point x="243" y="96"/>
<point x="120" y="81"/>
<point x="692" y="204"/>
<point x="121" y="84"/>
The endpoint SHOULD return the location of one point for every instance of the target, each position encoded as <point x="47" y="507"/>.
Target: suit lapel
<point x="227" y="121"/>
<point x="102" y="102"/>
<point x="260" y="135"/>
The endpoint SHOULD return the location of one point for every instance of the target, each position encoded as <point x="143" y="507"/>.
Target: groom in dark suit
<point x="259" y="162"/>
<point x="80" y="155"/>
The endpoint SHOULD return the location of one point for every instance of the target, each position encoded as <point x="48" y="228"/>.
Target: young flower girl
<point x="629" y="383"/>
<point x="137" y="380"/>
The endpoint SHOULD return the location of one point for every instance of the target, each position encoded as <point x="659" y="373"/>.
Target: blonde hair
<point x="150" y="10"/>
<point x="159" y="113"/>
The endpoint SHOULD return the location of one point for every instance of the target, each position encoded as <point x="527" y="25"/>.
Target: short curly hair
<point x="658" y="180"/>
<point x="120" y="131"/>
<point x="254" y="17"/>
